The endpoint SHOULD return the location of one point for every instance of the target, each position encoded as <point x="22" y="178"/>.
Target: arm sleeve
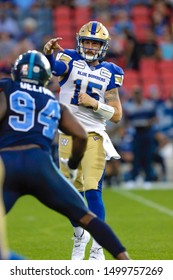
<point x="58" y="67"/>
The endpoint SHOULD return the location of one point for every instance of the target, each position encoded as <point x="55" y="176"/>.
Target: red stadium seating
<point x="149" y="75"/>
<point x="131" y="80"/>
<point x="148" y="63"/>
<point x="62" y="12"/>
<point x="63" y="25"/>
<point x="140" y="11"/>
<point x="165" y="65"/>
<point x="81" y="15"/>
<point x="166" y="90"/>
<point x="140" y="16"/>
<point x="152" y="89"/>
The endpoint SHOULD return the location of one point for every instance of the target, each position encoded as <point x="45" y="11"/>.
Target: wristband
<point x="105" y="110"/>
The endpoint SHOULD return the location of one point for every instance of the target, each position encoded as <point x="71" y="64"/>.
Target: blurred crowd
<point x="140" y="31"/>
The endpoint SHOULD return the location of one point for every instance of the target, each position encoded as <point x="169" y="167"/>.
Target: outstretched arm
<point x="59" y="67"/>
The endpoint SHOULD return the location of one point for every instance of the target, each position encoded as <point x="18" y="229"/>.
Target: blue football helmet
<point x="32" y="67"/>
<point x="94" y="31"/>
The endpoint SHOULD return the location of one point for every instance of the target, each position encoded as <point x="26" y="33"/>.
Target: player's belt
<point x="19" y="148"/>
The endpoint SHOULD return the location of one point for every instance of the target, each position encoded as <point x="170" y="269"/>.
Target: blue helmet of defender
<point x="32" y="67"/>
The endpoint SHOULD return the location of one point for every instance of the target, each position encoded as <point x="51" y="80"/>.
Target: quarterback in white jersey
<point x="93" y="80"/>
<point x="89" y="86"/>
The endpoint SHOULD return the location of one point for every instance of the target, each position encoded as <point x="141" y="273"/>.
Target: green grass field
<point x="143" y="220"/>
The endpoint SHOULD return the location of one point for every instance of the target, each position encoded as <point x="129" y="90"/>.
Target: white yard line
<point x="145" y="201"/>
<point x="154" y="186"/>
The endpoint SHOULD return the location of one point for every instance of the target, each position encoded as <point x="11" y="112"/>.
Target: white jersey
<point x="91" y="80"/>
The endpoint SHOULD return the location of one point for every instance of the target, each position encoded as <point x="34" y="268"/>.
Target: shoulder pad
<point x="115" y="69"/>
<point x="63" y="57"/>
<point x="117" y="73"/>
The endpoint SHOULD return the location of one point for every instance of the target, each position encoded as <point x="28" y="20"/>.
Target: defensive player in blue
<point x="29" y="118"/>
<point x="5" y="253"/>
<point x="89" y="86"/>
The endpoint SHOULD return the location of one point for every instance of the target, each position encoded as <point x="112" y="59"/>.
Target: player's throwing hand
<point x="52" y="45"/>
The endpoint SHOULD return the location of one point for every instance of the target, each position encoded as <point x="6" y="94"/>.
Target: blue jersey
<point x="32" y="115"/>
